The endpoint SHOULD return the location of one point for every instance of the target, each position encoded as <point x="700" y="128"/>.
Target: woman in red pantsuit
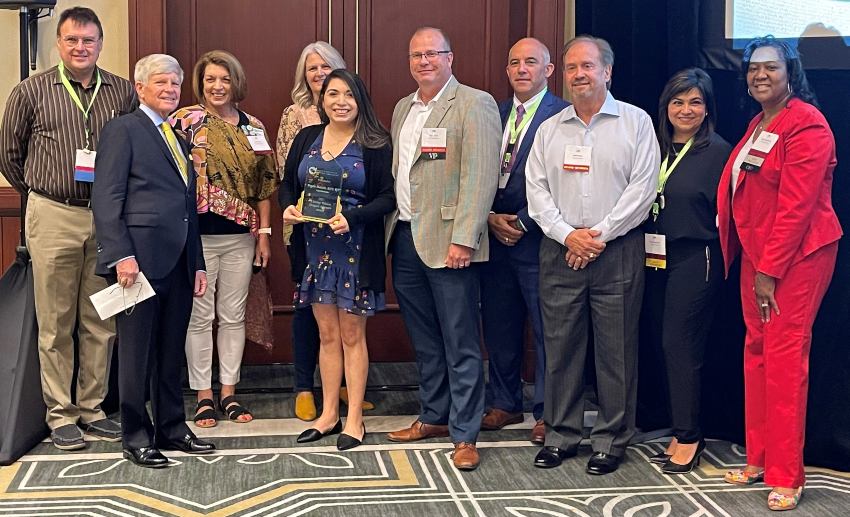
<point x="774" y="207"/>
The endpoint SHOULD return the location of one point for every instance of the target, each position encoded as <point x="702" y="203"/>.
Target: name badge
<point x="434" y="143"/>
<point x="84" y="166"/>
<point x="656" y="250"/>
<point x="577" y="158"/>
<point x="257" y="139"/>
<point x="759" y="151"/>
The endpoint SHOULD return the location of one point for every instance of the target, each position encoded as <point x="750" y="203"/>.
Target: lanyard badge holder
<point x="663" y="175"/>
<point x="655" y="244"/>
<point x="85" y="158"/>
<point x="514" y="131"/>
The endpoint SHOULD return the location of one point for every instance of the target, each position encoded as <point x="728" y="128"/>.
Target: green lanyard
<point x="514" y="132"/>
<point x="76" y="98"/>
<point x="664" y="175"/>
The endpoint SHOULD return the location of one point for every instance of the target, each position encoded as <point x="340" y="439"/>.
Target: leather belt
<point x="81" y="203"/>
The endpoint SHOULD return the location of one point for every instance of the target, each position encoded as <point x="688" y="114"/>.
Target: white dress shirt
<point x="615" y="195"/>
<point x="408" y="143"/>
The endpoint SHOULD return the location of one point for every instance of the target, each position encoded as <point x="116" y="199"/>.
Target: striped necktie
<point x="175" y="150"/>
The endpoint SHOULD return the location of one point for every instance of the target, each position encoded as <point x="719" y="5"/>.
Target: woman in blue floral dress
<point x="343" y="258"/>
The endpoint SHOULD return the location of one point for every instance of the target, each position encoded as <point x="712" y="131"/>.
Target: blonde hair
<point x="226" y="60"/>
<point x="301" y="94"/>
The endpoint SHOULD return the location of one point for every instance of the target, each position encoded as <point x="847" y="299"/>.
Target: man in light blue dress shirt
<point x="590" y="179"/>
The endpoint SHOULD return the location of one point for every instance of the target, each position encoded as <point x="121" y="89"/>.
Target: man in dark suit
<point x="144" y="209"/>
<point x="510" y="291"/>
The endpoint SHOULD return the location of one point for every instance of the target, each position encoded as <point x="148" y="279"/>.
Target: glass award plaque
<point x="320" y="199"/>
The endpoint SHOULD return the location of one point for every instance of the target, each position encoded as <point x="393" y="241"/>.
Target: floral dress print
<point x="333" y="261"/>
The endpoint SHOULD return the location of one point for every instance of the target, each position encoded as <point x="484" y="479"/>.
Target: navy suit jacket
<point x="141" y="205"/>
<point x="512" y="199"/>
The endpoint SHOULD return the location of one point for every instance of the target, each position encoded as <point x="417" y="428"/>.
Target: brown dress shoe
<point x="419" y="431"/>
<point x="498" y="418"/>
<point x="465" y="456"/>
<point x="538" y="434"/>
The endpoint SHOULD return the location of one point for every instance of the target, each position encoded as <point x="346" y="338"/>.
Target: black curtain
<point x="652" y="39"/>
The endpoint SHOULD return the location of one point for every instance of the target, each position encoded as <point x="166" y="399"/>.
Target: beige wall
<point x="116" y="47"/>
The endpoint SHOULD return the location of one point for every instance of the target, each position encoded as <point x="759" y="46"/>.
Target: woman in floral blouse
<point x="237" y="174"/>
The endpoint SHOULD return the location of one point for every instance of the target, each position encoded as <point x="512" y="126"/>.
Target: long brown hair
<point x="368" y="130"/>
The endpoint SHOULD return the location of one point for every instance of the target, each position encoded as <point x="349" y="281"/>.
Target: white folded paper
<point x="114" y="299"/>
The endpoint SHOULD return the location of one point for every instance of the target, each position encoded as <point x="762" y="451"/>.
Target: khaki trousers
<point x="61" y="242"/>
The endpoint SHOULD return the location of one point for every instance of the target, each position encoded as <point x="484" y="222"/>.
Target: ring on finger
<point x="765" y="304"/>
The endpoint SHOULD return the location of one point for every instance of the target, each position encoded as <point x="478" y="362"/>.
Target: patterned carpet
<point x="259" y="470"/>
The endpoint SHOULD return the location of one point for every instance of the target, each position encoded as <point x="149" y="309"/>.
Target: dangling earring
<point x="790" y="92"/>
<point x="749" y="93"/>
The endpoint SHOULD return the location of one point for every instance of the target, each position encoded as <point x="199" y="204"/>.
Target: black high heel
<point x="675" y="468"/>
<point x="660" y="459"/>
<point x="346" y="441"/>
<point x="313" y="434"/>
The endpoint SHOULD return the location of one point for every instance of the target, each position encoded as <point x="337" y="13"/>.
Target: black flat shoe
<point x="660" y="459"/>
<point x="189" y="444"/>
<point x="675" y="468"/>
<point x="601" y="463"/>
<point x="550" y="457"/>
<point x="313" y="434"/>
<point x="346" y="441"/>
<point x="148" y="457"/>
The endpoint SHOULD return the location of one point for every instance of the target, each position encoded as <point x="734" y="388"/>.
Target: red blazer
<point x="783" y="212"/>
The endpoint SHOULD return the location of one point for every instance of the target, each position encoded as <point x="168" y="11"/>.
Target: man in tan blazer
<point x="445" y="151"/>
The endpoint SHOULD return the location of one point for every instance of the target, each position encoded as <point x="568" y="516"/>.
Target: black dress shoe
<point x="549" y="457"/>
<point x="677" y="468"/>
<point x="346" y="441"/>
<point x="313" y="434"/>
<point x="190" y="444"/>
<point x="660" y="459"/>
<point x="146" y="457"/>
<point x="602" y="463"/>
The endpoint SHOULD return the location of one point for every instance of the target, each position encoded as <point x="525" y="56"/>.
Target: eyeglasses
<point x="429" y="54"/>
<point x="73" y="41"/>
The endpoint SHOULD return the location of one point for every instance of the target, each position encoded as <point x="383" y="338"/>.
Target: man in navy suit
<point x="144" y="209"/>
<point x="509" y="281"/>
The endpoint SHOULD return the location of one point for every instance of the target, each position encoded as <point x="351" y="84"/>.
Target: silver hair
<point x="156" y="64"/>
<point x="301" y="93"/>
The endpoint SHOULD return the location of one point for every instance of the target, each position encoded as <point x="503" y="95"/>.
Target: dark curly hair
<point x="796" y="75"/>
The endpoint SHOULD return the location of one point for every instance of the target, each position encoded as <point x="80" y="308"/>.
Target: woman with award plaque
<point x="338" y="185"/>
<point x="315" y="63"/>
<point x="774" y="206"/>
<point x="237" y="175"/>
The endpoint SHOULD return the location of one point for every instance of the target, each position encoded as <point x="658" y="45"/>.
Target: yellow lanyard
<point x="76" y="98"/>
<point x="664" y="175"/>
<point x="513" y="131"/>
